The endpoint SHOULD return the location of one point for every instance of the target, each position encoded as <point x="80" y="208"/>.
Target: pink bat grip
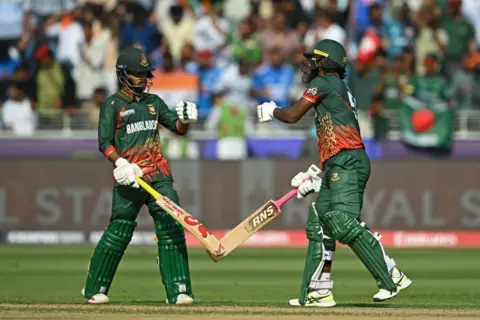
<point x="280" y="202"/>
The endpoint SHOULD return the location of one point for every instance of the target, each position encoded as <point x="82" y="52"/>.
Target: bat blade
<point x="188" y="222"/>
<point x="257" y="220"/>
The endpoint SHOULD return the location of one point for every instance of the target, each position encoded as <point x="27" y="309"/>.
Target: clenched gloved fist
<point x="187" y="112"/>
<point x="126" y="172"/>
<point x="265" y="111"/>
<point x="307" y="182"/>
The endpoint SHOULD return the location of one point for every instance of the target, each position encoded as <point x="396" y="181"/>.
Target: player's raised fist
<point x="187" y="112"/>
<point x="265" y="111"/>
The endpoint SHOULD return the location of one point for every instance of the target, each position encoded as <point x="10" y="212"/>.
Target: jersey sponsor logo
<point x="312" y="91"/>
<point x="126" y="113"/>
<point x="142" y="126"/>
<point x="152" y="109"/>
<point x="335" y="177"/>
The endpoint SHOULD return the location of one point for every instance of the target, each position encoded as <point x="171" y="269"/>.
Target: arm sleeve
<point x="106" y="128"/>
<point x="317" y="89"/>
<point x="166" y="117"/>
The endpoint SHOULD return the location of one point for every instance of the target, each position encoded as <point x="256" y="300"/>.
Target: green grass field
<point x="44" y="282"/>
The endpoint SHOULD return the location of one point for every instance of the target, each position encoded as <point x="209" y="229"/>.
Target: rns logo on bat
<point x="261" y="217"/>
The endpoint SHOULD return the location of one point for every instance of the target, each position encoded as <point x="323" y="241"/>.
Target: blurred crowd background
<point x="57" y="59"/>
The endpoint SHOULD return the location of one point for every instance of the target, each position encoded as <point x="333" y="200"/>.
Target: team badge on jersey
<point x="151" y="109"/>
<point x="335" y="177"/>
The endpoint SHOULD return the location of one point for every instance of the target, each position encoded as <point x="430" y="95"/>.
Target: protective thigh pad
<point x="315" y="258"/>
<point x="107" y="255"/>
<point x="173" y="258"/>
<point x="366" y="246"/>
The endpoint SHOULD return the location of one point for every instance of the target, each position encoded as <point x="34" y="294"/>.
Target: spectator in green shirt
<point x="244" y="42"/>
<point x="461" y="34"/>
<point x="462" y="44"/>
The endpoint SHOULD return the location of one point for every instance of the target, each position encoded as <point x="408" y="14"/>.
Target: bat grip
<point x="280" y="202"/>
<point x="147" y="188"/>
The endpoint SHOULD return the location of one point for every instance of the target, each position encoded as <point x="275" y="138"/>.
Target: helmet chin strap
<point x="136" y="90"/>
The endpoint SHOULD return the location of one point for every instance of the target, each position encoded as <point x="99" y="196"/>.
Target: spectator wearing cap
<point x="324" y="28"/>
<point x="273" y="81"/>
<point x="177" y="29"/>
<point x="209" y="75"/>
<point x="18" y="115"/>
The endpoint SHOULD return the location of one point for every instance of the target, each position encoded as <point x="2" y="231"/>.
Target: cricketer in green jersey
<point x="335" y="215"/>
<point x="128" y="136"/>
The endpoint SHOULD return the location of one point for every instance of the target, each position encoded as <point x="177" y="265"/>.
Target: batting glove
<point x="126" y="172"/>
<point x="187" y="112"/>
<point x="307" y="182"/>
<point x="265" y="111"/>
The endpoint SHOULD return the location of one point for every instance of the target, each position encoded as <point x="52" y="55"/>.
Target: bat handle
<point x="280" y="202"/>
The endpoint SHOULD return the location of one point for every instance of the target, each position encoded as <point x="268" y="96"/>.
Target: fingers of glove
<point x="305" y="188"/>
<point x="317" y="185"/>
<point x="123" y="172"/>
<point x="181" y="109"/>
<point x="192" y="113"/>
<point x="299" y="179"/>
<point x="314" y="172"/>
<point x="124" y="181"/>
<point x="138" y="171"/>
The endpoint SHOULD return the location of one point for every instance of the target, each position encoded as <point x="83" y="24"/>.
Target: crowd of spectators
<point x="57" y="57"/>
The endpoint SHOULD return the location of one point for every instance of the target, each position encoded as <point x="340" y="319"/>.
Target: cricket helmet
<point x="134" y="61"/>
<point x="327" y="56"/>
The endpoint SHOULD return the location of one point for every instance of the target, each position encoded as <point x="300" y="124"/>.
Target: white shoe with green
<point x="315" y="299"/>
<point x="400" y="280"/>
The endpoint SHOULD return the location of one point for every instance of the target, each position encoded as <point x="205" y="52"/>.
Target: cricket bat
<point x="198" y="230"/>
<point x="256" y="221"/>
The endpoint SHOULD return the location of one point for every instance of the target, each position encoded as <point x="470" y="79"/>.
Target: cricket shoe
<point x="98" y="298"/>
<point x="400" y="279"/>
<point x="314" y="299"/>
<point x="183" y="299"/>
<point x="384" y="295"/>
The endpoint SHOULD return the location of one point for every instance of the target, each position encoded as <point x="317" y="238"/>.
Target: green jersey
<point x="131" y="128"/>
<point x="336" y="120"/>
